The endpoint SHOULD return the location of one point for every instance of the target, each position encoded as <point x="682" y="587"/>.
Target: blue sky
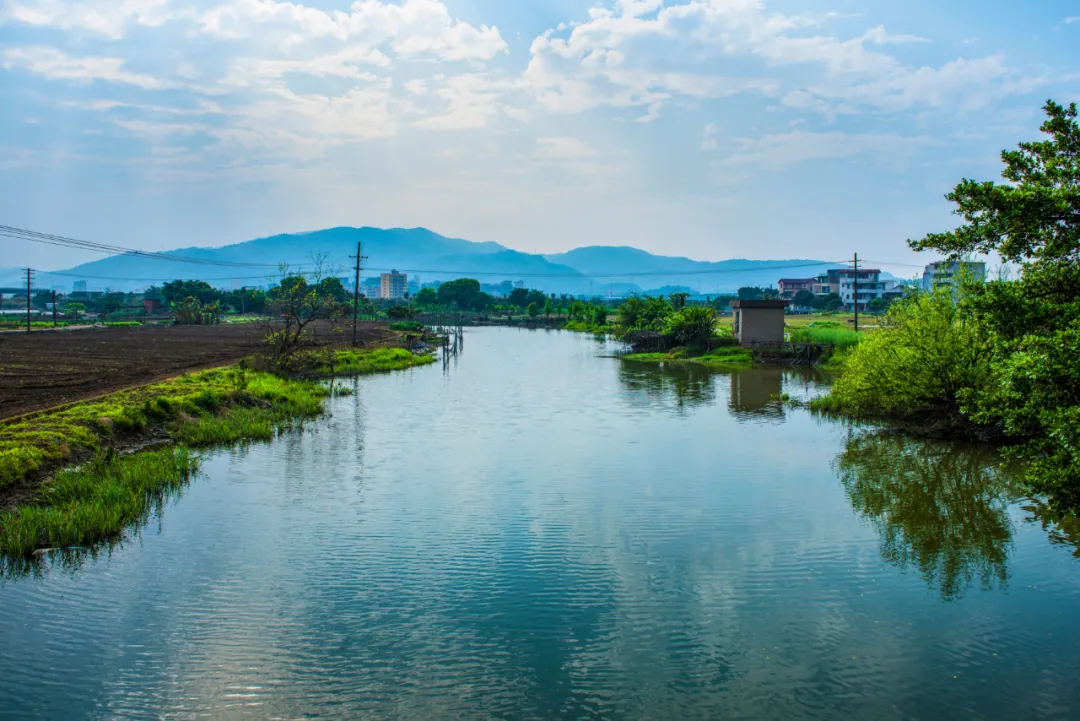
<point x="707" y="128"/>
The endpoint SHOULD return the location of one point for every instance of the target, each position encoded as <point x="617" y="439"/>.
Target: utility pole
<point x="29" y="276"/>
<point x="855" y="294"/>
<point x="54" y="309"/>
<point x="356" y="289"/>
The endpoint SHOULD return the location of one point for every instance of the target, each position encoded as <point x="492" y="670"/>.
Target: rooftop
<point x="744" y="304"/>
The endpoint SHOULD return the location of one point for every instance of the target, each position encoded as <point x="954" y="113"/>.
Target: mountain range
<point x="423" y="254"/>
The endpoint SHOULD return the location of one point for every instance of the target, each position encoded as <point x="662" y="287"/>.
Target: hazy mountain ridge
<point x="433" y="257"/>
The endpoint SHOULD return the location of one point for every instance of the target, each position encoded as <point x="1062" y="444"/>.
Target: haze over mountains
<point x="431" y="257"/>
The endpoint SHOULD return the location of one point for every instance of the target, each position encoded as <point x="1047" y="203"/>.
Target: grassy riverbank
<point x="578" y="326"/>
<point x="724" y="358"/>
<point x="53" y="504"/>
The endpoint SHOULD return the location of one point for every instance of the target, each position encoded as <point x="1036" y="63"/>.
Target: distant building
<point x="758" y="321"/>
<point x="945" y="273"/>
<point x="79" y="287"/>
<point x="790" y="286"/>
<point x="151" y="305"/>
<point x="393" y="285"/>
<point x="519" y="284"/>
<point x="370" y="287"/>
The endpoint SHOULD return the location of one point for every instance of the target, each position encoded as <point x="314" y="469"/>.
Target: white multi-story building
<point x="393" y="285"/>
<point x="945" y="273"/>
<point x="842" y="281"/>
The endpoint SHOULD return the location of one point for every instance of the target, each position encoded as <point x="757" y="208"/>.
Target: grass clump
<point x="834" y="334"/>
<point x="96" y="501"/>
<point x="584" y="327"/>
<point x="364" y="362"/>
<point x="723" y="358"/>
<point x="408" y="326"/>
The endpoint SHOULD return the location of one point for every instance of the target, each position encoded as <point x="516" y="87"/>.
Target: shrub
<point x="924" y="355"/>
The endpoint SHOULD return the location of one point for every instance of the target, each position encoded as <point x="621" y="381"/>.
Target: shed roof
<point x="745" y="304"/>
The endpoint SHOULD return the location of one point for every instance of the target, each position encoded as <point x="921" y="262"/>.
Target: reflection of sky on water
<point x="543" y="533"/>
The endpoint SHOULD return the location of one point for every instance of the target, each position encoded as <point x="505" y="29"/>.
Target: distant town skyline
<point x="710" y="129"/>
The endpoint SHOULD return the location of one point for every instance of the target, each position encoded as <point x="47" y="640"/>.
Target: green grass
<point x="122" y="323"/>
<point x="96" y="501"/>
<point x="408" y="325"/>
<point x="364" y="362"/>
<point x="581" y="327"/>
<point x="15" y="325"/>
<point x="724" y="358"/>
<point x="832" y="334"/>
<point x="220" y="396"/>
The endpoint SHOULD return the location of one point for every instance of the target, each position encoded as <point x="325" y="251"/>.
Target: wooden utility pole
<point x="54" y="309"/>
<point x="29" y="276"/>
<point x="356" y="289"/>
<point x="855" y="294"/>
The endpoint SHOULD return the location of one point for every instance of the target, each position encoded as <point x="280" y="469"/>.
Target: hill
<point x="429" y="256"/>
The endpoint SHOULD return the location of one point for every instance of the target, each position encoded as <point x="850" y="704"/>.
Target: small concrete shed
<point x="758" y="321"/>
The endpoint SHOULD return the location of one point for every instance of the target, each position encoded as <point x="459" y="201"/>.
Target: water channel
<point x="540" y="532"/>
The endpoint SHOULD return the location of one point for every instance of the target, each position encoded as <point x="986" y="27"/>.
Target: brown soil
<point x="44" y="369"/>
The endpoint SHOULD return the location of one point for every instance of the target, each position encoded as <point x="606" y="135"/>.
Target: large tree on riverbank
<point x="1030" y="327"/>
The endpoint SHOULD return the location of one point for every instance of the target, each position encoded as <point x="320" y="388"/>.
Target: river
<point x="537" y="531"/>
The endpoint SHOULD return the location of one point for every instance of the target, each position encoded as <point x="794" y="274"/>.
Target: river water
<point x="541" y="532"/>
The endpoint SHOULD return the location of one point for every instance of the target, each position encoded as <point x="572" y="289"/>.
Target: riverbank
<point x="76" y="475"/>
<point x="723" y="358"/>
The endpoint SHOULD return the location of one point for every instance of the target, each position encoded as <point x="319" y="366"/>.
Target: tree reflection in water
<point x="939" y="507"/>
<point x="685" y="386"/>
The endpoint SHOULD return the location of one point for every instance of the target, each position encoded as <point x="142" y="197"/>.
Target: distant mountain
<point x="598" y="270"/>
<point x="655" y="271"/>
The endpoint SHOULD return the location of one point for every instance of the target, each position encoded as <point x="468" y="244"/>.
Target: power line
<point x="34" y="236"/>
<point x="502" y="273"/>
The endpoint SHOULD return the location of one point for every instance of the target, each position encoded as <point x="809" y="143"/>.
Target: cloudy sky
<point x="707" y="128"/>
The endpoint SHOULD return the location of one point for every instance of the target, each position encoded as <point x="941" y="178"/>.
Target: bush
<point x="924" y="355"/>
<point x="691" y="326"/>
<point x="407" y="325"/>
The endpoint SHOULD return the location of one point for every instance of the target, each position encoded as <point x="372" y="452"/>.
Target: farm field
<point x="40" y="370"/>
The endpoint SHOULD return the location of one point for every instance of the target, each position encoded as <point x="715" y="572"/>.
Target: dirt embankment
<point x="44" y="369"/>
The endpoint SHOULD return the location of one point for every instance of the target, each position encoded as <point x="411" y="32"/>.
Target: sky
<point x="713" y="129"/>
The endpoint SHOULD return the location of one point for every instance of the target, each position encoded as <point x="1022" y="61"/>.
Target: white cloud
<point x="612" y="59"/>
<point x="773" y="152"/>
<point x="346" y="63"/>
<point x="562" y="149"/>
<point x="473" y="101"/>
<point x="1071" y="20"/>
<point x="104" y="17"/>
<point x="415" y="28"/>
<point x="56" y="65"/>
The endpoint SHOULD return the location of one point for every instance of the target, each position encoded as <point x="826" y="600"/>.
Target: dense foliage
<point x="1001" y="354"/>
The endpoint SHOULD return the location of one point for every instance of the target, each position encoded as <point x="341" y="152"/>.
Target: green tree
<point x="179" y="290"/>
<point x="75" y="309"/>
<point x="427" y="297"/>
<point x="462" y="293"/>
<point x="533" y="310"/>
<point x="1030" y="328"/>
<point x="878" y="305"/>
<point x="519" y="297"/>
<point x="678" y="300"/>
<point x="298" y="303"/>
<point x="804" y="298"/>
<point x="332" y="287"/>
<point x="691" y="326"/>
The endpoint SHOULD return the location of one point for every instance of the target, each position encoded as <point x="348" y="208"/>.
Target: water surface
<point x="539" y="532"/>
